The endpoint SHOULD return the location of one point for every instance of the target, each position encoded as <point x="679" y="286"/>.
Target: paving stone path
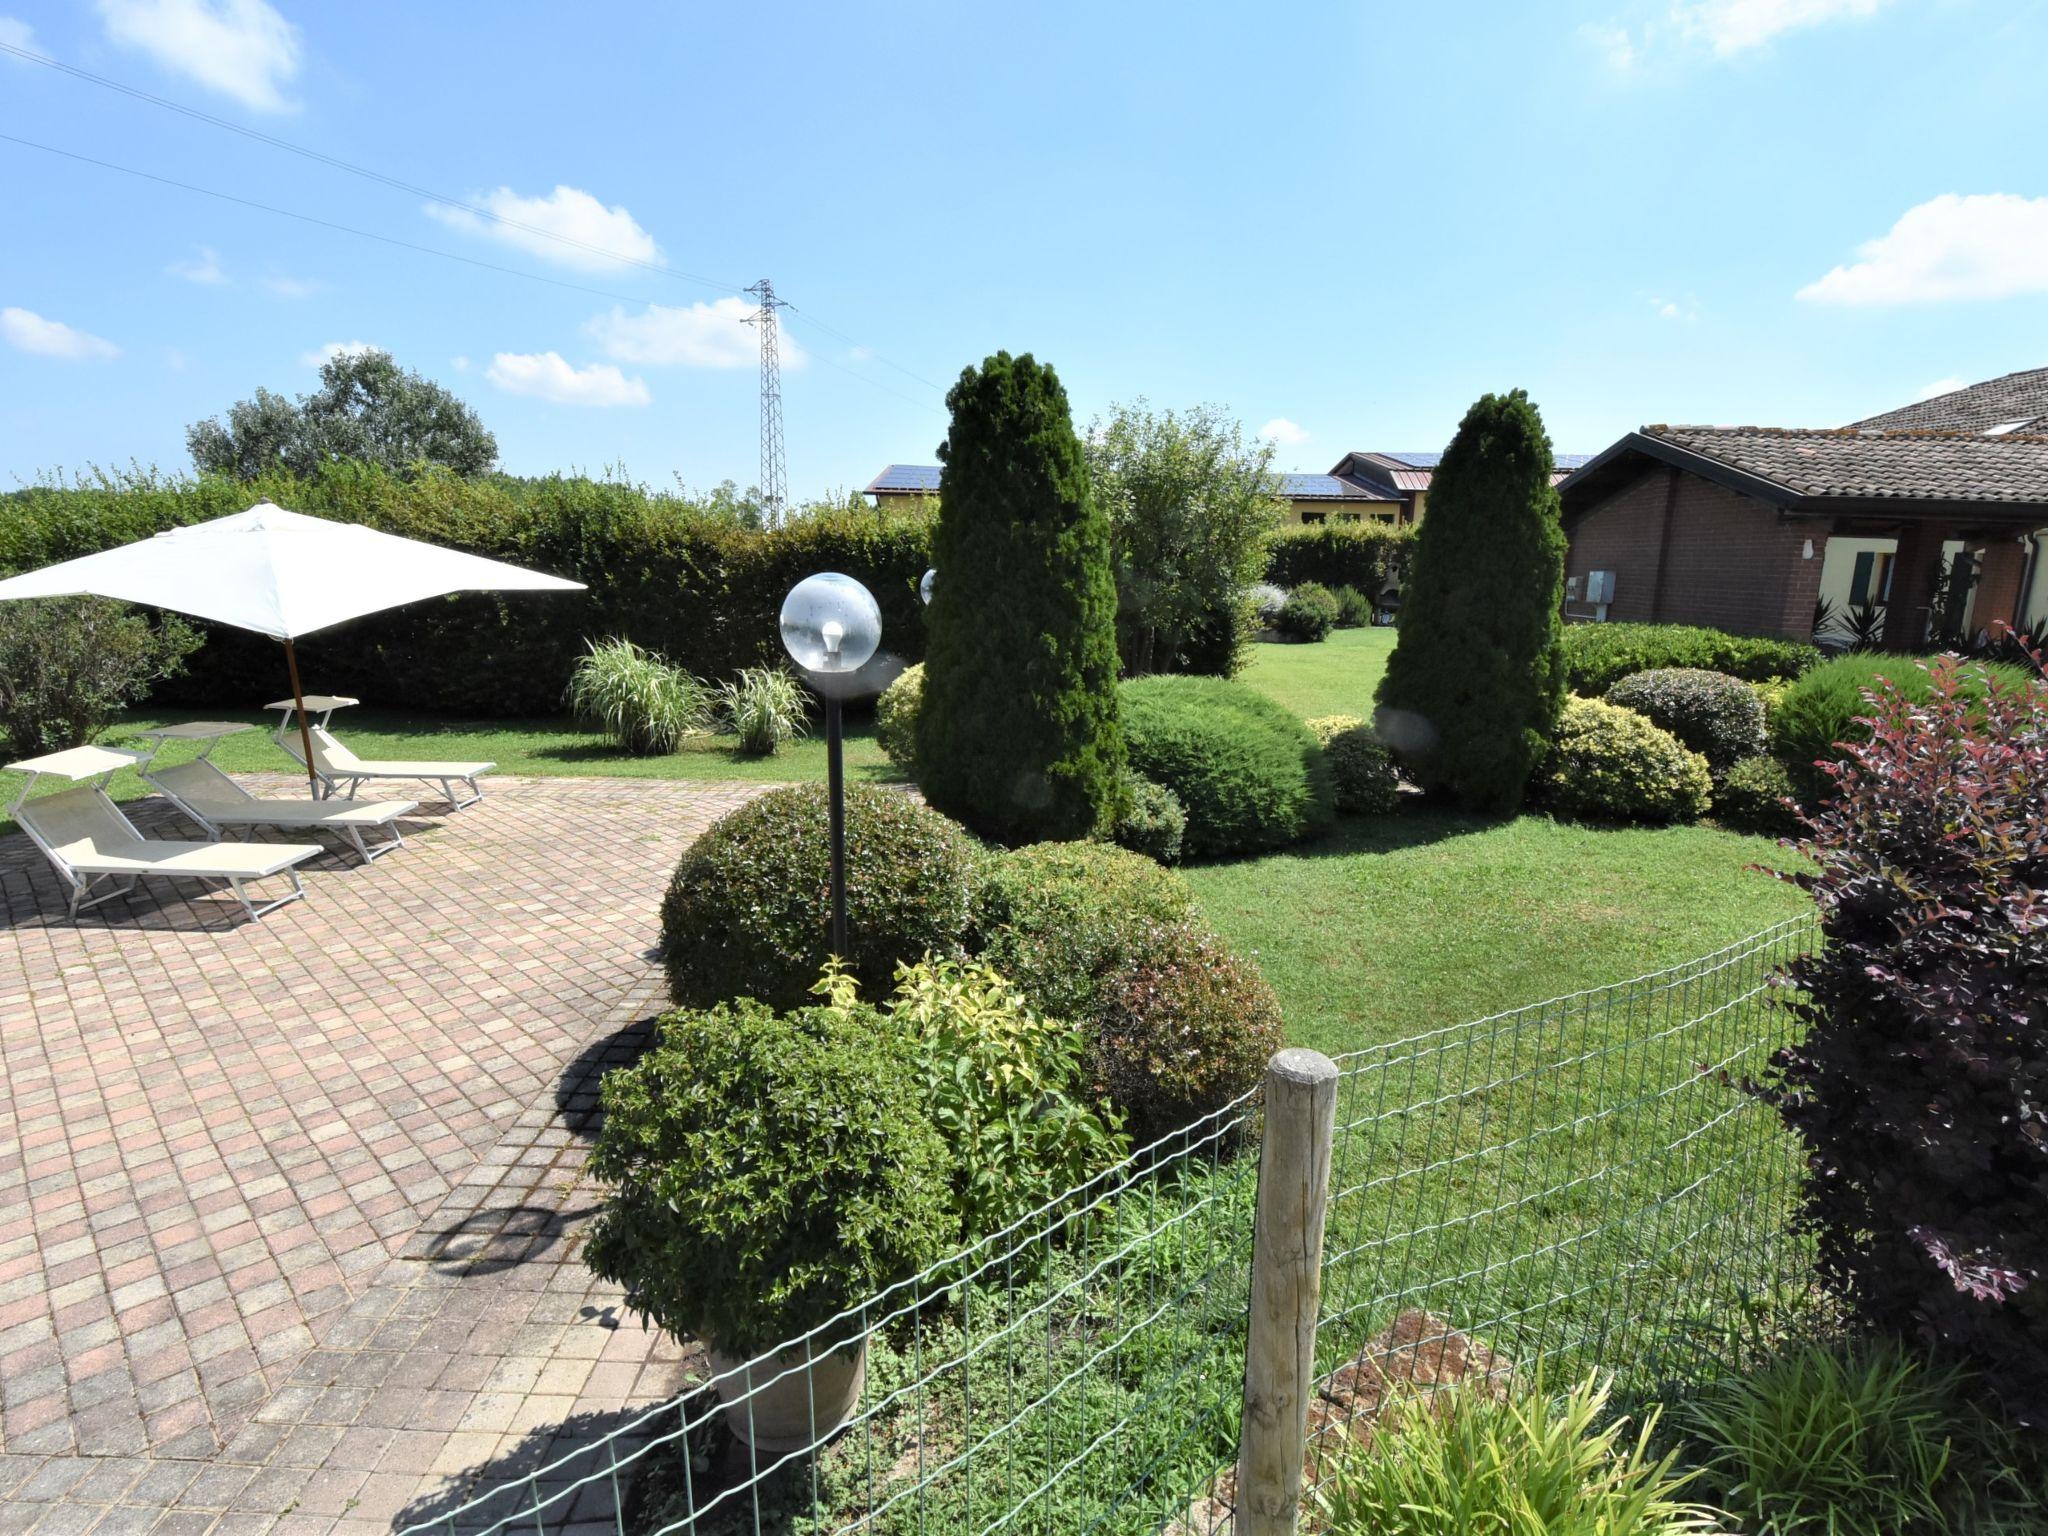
<point x="290" y="1210"/>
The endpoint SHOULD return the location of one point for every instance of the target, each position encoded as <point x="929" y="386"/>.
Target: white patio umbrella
<point x="279" y="573"/>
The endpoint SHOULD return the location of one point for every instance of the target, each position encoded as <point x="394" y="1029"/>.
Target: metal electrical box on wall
<point x="1599" y="586"/>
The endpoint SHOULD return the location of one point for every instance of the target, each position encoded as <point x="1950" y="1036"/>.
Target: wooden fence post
<point x="1287" y="1276"/>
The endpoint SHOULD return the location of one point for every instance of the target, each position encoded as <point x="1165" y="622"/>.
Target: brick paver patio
<point x="289" y="1210"/>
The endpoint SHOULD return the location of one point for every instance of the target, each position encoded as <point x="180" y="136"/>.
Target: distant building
<point x="1932" y="513"/>
<point x="1386" y="488"/>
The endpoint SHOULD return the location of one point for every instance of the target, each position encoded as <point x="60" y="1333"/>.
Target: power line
<point x="774" y="486"/>
<point x="662" y="268"/>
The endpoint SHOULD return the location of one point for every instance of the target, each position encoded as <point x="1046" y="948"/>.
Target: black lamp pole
<point x="835" y="773"/>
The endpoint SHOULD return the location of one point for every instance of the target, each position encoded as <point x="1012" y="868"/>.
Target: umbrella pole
<point x="291" y="662"/>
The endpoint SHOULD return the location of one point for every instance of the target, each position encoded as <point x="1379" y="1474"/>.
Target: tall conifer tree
<point x="1476" y="681"/>
<point x="1018" y="735"/>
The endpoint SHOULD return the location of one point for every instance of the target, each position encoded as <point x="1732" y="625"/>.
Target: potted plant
<point x="767" y="1171"/>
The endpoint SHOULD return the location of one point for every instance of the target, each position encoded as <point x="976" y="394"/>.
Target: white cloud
<point x="320" y="356"/>
<point x="1735" y="26"/>
<point x="1979" y="246"/>
<point x="291" y="287"/>
<point x="1683" y="310"/>
<point x="712" y="335"/>
<point x="174" y="360"/>
<point x="1946" y="386"/>
<point x="203" y="268"/>
<point x="1616" y="43"/>
<point x="459" y="364"/>
<point x="16" y="33"/>
<point x="1283" y="432"/>
<point x="606" y="238"/>
<point x="30" y="332"/>
<point x="547" y="376"/>
<point x="241" y="48"/>
<point x="1723" y="28"/>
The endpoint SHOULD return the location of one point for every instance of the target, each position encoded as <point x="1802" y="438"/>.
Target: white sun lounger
<point x="334" y="765"/>
<point x="217" y="802"/>
<point x="87" y="839"/>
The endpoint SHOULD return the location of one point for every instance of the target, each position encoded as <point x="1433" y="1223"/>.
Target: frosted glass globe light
<point x="830" y="623"/>
<point x="924" y="588"/>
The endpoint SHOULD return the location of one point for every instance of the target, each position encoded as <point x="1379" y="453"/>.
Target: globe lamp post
<point x="831" y="626"/>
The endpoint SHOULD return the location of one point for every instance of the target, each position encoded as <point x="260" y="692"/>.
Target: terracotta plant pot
<point x="777" y="1406"/>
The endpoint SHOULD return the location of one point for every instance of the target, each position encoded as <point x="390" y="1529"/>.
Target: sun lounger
<point x="218" y="803"/>
<point x="88" y="840"/>
<point x="334" y="765"/>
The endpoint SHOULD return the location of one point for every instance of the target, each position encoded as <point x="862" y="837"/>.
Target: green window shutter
<point x="1859" y="585"/>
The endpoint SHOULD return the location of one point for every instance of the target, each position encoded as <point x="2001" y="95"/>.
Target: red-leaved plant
<point x="1921" y="1086"/>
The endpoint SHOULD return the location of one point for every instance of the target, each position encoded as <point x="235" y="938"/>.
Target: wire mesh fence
<point x="1574" y="1184"/>
<point x="1077" y="1371"/>
<point x="1580" y="1184"/>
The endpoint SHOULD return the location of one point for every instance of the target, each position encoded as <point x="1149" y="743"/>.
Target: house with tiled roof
<point x="1361" y="487"/>
<point x="1932" y="513"/>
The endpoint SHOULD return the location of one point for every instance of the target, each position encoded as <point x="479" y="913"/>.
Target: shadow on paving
<point x="576" y="1093"/>
<point x="578" y="1473"/>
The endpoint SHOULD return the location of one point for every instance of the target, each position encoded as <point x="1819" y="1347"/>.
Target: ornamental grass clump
<point x="1459" y="1462"/>
<point x="1856" y="1438"/>
<point x="764" y="707"/>
<point x="1919" y="1082"/>
<point x="636" y="698"/>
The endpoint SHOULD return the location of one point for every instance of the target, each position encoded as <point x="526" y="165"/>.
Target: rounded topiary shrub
<point x="1249" y="775"/>
<point x="1354" y="608"/>
<point x="1361" y="768"/>
<point x="1751" y="798"/>
<point x="766" y="1172"/>
<point x="896" y="718"/>
<point x="748" y="912"/>
<point x="1718" y="716"/>
<point x="1183" y="1026"/>
<point x="1611" y="763"/>
<point x="1150" y="820"/>
<point x="1826" y="708"/>
<point x="1309" y="613"/>
<point x="1055" y="918"/>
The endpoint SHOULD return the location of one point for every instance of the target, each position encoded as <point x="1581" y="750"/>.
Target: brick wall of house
<point x="1727" y="560"/>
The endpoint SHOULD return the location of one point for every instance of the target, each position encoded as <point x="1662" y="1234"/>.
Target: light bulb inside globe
<point x="830" y="623"/>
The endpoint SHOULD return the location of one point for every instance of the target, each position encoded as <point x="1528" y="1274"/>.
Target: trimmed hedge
<point x="1056" y="918"/>
<point x="1610" y="763"/>
<point x="748" y="912"/>
<point x="1309" y="613"/>
<point x="1718" y="716"/>
<point x="1361" y="767"/>
<point x="1249" y="775"/>
<point x="1597" y="656"/>
<point x="1368" y="556"/>
<point x="1752" y="798"/>
<point x="669" y="573"/>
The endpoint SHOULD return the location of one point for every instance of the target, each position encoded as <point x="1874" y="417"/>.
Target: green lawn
<point x="1387" y="927"/>
<point x="1336" y="676"/>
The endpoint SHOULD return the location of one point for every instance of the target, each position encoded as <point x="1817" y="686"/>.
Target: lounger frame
<point x="329" y="780"/>
<point x="394" y="839"/>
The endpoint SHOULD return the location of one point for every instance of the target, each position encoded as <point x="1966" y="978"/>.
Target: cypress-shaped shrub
<point x="1017" y="735"/>
<point x="1476" y="680"/>
<point x="1249" y="775"/>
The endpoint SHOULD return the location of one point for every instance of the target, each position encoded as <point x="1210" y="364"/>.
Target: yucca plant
<point x="637" y="698"/>
<point x="764" y="707"/>
<point x="1865" y="1440"/>
<point x="1461" y="1464"/>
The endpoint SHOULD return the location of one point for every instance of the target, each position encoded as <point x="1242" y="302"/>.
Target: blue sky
<point x="1340" y="222"/>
